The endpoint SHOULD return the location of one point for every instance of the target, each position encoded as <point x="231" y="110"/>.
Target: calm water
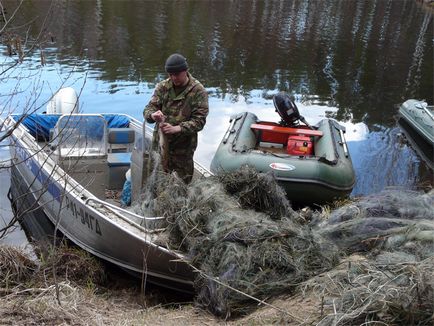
<point x="351" y="60"/>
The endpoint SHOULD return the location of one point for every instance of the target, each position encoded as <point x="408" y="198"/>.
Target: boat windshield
<point x="78" y="135"/>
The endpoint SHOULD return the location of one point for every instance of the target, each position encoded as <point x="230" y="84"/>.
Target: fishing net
<point x="240" y="233"/>
<point x="258" y="191"/>
<point x="393" y="282"/>
<point x="391" y="288"/>
<point x="393" y="218"/>
<point x="237" y="236"/>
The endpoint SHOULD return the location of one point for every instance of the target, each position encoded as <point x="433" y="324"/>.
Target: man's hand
<point x="158" y="116"/>
<point x="167" y="128"/>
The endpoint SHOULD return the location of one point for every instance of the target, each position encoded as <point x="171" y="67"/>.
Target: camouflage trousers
<point x="183" y="165"/>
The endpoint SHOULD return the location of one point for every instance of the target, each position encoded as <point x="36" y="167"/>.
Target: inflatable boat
<point x="420" y="116"/>
<point x="311" y="163"/>
<point x="416" y="120"/>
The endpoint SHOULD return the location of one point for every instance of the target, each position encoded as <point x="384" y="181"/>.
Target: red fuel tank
<point x="299" y="145"/>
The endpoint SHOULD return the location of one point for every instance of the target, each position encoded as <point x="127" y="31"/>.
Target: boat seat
<point x="120" y="141"/>
<point x="286" y="130"/>
<point x="118" y="159"/>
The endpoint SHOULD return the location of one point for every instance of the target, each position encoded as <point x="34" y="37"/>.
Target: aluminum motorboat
<point x="69" y="160"/>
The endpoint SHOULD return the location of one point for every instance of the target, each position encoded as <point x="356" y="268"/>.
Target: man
<point x="179" y="106"/>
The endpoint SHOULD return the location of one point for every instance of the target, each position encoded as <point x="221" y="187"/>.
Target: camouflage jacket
<point x="189" y="110"/>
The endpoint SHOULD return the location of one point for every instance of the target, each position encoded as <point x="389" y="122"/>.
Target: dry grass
<point x="78" y="306"/>
<point x="15" y="267"/>
<point x="35" y="298"/>
<point x="80" y="294"/>
<point x="74" y="264"/>
<point x="360" y="290"/>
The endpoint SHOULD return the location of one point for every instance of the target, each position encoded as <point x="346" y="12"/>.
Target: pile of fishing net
<point x="391" y="219"/>
<point x="394" y="281"/>
<point x="240" y="232"/>
<point x="389" y="288"/>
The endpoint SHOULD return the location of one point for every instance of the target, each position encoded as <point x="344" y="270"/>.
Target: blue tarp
<point x="116" y="121"/>
<point x="126" y="194"/>
<point x="39" y="125"/>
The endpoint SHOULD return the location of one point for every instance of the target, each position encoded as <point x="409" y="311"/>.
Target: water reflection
<point x="355" y="53"/>
<point x="11" y="235"/>
<point x="414" y="73"/>
<point x="381" y="161"/>
<point x="352" y="60"/>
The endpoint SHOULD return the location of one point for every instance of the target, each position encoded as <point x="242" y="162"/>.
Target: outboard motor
<point x="65" y="101"/>
<point x="286" y="108"/>
<point x="288" y="111"/>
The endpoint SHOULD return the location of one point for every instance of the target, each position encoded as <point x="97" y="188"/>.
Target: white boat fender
<point x="128" y="175"/>
<point x="65" y="101"/>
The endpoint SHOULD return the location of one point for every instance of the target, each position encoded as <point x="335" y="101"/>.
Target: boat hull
<point x="327" y="176"/>
<point x="71" y="209"/>
<point x="418" y="143"/>
<point x="420" y="117"/>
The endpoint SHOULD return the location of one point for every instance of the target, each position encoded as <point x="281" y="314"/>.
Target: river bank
<point x="65" y="301"/>
<point x="383" y="275"/>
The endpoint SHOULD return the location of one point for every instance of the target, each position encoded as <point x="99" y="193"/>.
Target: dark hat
<point x="176" y="63"/>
